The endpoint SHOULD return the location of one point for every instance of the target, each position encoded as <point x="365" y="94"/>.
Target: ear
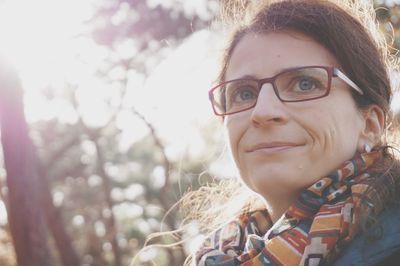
<point x="373" y="126"/>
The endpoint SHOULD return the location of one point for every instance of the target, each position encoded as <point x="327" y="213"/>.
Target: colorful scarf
<point x="313" y="231"/>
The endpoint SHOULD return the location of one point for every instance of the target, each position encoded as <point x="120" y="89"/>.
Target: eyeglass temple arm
<point x="342" y="76"/>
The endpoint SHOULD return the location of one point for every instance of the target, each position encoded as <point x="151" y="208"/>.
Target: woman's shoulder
<point x="381" y="243"/>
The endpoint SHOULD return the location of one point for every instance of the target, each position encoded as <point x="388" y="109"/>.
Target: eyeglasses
<point x="291" y="85"/>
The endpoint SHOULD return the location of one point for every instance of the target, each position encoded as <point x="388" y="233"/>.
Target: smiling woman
<point x="290" y="141"/>
<point x="304" y="94"/>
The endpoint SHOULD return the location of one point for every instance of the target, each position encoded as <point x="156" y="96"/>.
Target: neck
<point x="278" y="205"/>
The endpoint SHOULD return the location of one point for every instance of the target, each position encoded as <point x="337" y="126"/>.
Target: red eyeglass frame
<point x="333" y="72"/>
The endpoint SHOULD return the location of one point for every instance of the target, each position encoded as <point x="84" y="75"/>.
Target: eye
<point x="302" y="84"/>
<point x="241" y="91"/>
<point x="240" y="94"/>
<point x="244" y="93"/>
<point x="306" y="84"/>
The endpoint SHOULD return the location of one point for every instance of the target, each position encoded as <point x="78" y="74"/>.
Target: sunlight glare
<point x="40" y="38"/>
<point x="395" y="105"/>
<point x="3" y="213"/>
<point x="35" y="32"/>
<point x="92" y="96"/>
<point x="38" y="108"/>
<point x="132" y="129"/>
<point x="395" y="83"/>
<point x="176" y="93"/>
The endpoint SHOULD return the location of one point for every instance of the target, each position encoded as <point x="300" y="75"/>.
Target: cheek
<point x="333" y="135"/>
<point x="317" y="127"/>
<point x="344" y="130"/>
<point x="235" y="127"/>
<point x="231" y="134"/>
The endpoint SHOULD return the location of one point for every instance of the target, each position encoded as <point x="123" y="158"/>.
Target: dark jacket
<point x="380" y="245"/>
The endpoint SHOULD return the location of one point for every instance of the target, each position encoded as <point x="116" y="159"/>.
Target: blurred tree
<point x="26" y="215"/>
<point x="81" y="163"/>
<point x="388" y="14"/>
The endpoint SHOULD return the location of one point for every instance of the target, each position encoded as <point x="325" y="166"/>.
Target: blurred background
<point x="105" y="124"/>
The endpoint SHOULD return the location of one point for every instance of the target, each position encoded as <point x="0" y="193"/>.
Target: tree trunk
<point x="55" y="222"/>
<point x="25" y="215"/>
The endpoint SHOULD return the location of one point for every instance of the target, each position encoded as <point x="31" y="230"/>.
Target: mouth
<point x="273" y="147"/>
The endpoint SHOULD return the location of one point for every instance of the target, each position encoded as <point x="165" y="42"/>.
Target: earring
<point x="367" y="148"/>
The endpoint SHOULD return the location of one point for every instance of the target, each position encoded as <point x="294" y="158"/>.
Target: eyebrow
<point x="247" y="76"/>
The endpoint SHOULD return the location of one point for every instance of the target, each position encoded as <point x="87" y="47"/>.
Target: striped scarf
<point x="313" y="231"/>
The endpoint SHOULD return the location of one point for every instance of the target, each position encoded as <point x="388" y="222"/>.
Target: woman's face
<point x="284" y="147"/>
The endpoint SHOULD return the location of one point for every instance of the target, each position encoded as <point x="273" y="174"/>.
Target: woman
<point x="304" y="94"/>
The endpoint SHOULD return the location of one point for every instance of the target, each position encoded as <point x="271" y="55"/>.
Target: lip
<point x="273" y="147"/>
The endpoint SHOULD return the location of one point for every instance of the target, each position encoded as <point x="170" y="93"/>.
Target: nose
<point x="269" y="109"/>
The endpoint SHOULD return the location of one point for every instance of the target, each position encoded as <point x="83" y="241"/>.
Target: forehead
<point x="263" y="55"/>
